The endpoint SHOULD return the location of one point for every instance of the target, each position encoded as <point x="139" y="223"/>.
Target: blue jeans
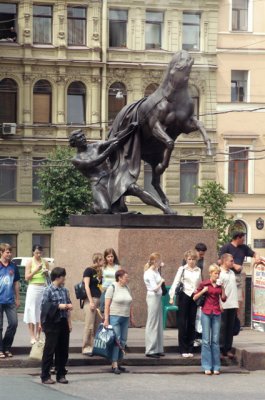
<point x="210" y="357"/>
<point x="120" y="327"/>
<point x="11" y="315"/>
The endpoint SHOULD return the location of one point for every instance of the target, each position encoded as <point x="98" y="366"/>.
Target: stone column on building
<point x="95" y="98"/>
<point x="27" y="117"/>
<point x="60" y="80"/>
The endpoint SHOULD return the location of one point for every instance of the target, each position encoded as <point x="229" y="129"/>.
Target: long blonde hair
<point x="95" y="258"/>
<point x="152" y="259"/>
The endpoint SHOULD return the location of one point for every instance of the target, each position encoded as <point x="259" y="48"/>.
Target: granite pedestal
<point x="75" y="245"/>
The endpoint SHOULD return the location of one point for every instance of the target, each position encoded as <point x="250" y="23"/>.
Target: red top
<point x="212" y="300"/>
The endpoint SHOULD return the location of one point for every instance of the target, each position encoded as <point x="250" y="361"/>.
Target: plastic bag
<point x="36" y="352"/>
<point x="104" y="342"/>
<point x="198" y="324"/>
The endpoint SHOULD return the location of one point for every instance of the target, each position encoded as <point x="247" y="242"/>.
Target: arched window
<point x="117" y="99"/>
<point x="8" y="100"/>
<point x="239" y="226"/>
<point x="150" y="89"/>
<point x="76" y="103"/>
<point x="196" y="99"/>
<point x="42" y="102"/>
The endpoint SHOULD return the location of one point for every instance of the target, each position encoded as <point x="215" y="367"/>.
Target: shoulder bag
<point x="80" y="293"/>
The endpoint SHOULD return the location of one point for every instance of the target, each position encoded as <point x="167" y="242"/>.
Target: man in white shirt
<point x="228" y="280"/>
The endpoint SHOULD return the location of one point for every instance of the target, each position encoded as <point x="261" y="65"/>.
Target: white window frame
<point x="250" y="17"/>
<point x="248" y="87"/>
<point x="251" y="166"/>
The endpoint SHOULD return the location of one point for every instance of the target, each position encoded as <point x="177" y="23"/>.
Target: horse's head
<point x="179" y="68"/>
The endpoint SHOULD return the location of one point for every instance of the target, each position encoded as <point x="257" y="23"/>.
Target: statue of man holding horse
<point x="157" y="120"/>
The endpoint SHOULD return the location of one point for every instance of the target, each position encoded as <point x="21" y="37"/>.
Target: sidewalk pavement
<point x="249" y="344"/>
<point x="248" y="339"/>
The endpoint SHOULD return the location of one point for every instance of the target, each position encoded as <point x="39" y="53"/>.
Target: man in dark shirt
<point x="239" y="251"/>
<point x="55" y="322"/>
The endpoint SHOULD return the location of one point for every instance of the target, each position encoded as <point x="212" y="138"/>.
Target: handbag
<point x="36" y="351"/>
<point x="104" y="342"/>
<point x="164" y="289"/>
<point x="201" y="300"/>
<point x="180" y="286"/>
<point x="80" y="293"/>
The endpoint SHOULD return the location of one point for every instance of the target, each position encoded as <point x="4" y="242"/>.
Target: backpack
<point x="80" y="293"/>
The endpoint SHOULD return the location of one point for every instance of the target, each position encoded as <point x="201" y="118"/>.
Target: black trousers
<point x="56" y="343"/>
<point x="187" y="317"/>
<point x="227" y="327"/>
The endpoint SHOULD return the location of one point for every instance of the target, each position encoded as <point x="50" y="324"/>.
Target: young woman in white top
<point x="191" y="277"/>
<point x="110" y="267"/>
<point x="36" y="273"/>
<point x="154" y="323"/>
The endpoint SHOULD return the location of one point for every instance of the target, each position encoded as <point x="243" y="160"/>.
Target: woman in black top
<point x="92" y="278"/>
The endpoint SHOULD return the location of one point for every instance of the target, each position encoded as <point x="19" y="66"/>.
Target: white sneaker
<point x="190" y="355"/>
<point x="185" y="355"/>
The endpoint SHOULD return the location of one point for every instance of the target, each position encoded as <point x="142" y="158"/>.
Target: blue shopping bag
<point x="104" y="342"/>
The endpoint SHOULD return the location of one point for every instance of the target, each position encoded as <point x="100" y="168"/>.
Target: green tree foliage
<point x="64" y="191"/>
<point x="213" y="201"/>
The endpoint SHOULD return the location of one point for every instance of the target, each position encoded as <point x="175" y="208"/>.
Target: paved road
<point x="137" y="387"/>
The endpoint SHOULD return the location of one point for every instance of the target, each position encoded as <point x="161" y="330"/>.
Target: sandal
<point x="2" y="355"/>
<point x="8" y="354"/>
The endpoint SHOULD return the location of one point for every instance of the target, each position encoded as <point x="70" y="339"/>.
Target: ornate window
<point x="76" y="103"/>
<point x="37" y="162"/>
<point x="44" y="240"/>
<point x="189" y="175"/>
<point x="240" y="15"/>
<point x="117" y="99"/>
<point x="76" y="22"/>
<point x="118" y="28"/>
<point x="238" y="170"/>
<point x="42" y="102"/>
<point x="239" y="85"/>
<point x="8" y="18"/>
<point x="191" y="27"/>
<point x="8" y="100"/>
<point x="11" y="239"/>
<point x="196" y="99"/>
<point x="150" y="89"/>
<point x="42" y="24"/>
<point x="153" y="29"/>
<point x="239" y="226"/>
<point x="8" y="179"/>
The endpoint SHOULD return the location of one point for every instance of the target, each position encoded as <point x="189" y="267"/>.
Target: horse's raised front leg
<point x="200" y="127"/>
<point x="156" y="184"/>
<point x="163" y="137"/>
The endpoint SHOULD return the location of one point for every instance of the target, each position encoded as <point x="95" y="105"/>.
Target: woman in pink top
<point x="211" y="320"/>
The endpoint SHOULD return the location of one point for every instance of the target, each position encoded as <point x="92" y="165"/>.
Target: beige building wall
<point x="98" y="66"/>
<point x="241" y="124"/>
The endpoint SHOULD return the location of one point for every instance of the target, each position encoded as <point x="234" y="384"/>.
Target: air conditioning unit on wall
<point x="8" y="128"/>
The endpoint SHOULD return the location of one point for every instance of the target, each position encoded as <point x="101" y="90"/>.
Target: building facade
<point x="241" y="114"/>
<point x="73" y="64"/>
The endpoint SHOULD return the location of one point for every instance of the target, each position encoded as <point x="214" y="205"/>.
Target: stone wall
<point x="73" y="249"/>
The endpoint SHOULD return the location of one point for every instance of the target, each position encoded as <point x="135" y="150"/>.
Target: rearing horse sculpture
<point x="161" y="118"/>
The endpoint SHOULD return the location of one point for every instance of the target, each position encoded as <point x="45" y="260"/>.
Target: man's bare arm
<point x="98" y="160"/>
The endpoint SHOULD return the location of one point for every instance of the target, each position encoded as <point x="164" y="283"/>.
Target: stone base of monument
<point x="134" y="238"/>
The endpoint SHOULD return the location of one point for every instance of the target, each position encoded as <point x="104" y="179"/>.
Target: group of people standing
<point x="221" y="292"/>
<point x="109" y="300"/>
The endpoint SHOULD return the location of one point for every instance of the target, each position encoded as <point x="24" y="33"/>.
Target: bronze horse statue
<point x="160" y="118"/>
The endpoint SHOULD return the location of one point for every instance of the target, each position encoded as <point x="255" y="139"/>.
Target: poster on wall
<point x="258" y="297"/>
